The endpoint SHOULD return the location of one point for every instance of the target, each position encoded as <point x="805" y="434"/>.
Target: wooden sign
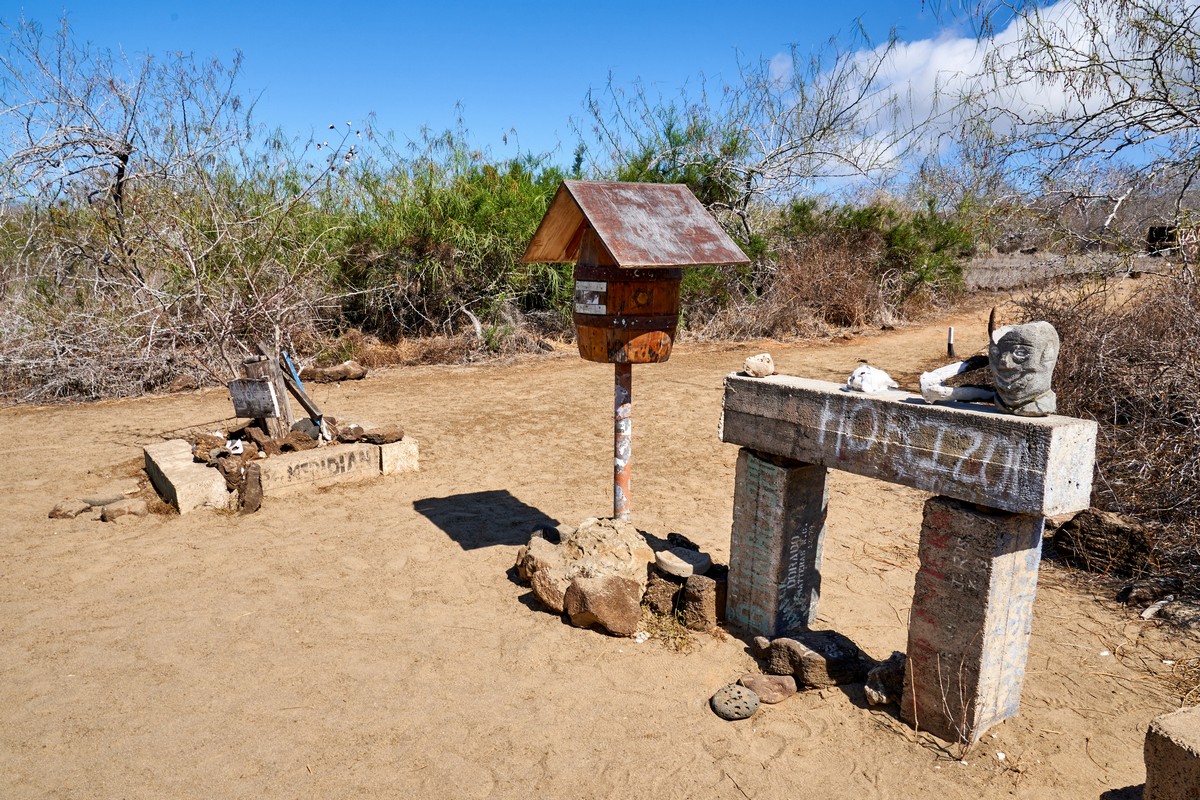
<point x="254" y="398"/>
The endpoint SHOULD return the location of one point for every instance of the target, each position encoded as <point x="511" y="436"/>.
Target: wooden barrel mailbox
<point x="626" y="316"/>
<point x="630" y="243"/>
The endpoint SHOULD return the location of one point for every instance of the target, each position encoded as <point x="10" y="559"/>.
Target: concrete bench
<point x="996" y="477"/>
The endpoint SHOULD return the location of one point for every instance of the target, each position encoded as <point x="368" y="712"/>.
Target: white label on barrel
<point x="590" y="297"/>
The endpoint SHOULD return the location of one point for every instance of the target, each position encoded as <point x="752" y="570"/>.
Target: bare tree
<point x="786" y="123"/>
<point x="143" y="224"/>
<point x="1091" y="89"/>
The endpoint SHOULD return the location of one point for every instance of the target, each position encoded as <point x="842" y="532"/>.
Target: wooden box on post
<point x="630" y="242"/>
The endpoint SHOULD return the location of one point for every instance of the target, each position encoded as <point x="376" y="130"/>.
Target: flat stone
<point x="610" y="601"/>
<point x="182" y="482"/>
<point x="399" y="457"/>
<point x="324" y="466"/>
<point x="682" y="562"/>
<point x="761" y="645"/>
<point x="698" y="604"/>
<point x="124" y="508"/>
<point x="1172" y="753"/>
<point x="661" y="594"/>
<point x="770" y="688"/>
<point x="885" y="682"/>
<point x="383" y="435"/>
<point x="818" y="659"/>
<point x="109" y="494"/>
<point x="69" y="509"/>
<point x="307" y="427"/>
<point x="734" y="702"/>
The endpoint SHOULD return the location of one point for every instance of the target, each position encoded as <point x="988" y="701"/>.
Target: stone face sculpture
<point x="1021" y="359"/>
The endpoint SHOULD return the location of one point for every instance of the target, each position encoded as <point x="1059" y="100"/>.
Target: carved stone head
<point x="1022" y="359"/>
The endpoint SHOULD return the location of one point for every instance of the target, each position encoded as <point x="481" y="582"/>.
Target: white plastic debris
<point x="1105" y="653"/>
<point x="1000" y="756"/>
<point x="641" y="637"/>
<point x="234" y="446"/>
<point x="1153" y="609"/>
<point x="759" y="366"/>
<point x="870" y="380"/>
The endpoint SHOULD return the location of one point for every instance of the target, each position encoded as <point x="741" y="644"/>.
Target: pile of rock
<point x="810" y="660"/>
<point x="602" y="572"/>
<point x="235" y="452"/>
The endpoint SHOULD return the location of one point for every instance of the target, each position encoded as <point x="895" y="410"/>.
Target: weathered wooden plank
<point x="1025" y="465"/>
<point x="254" y="398"/>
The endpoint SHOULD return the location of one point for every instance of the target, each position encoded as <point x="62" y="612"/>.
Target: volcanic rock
<point x="610" y="601"/>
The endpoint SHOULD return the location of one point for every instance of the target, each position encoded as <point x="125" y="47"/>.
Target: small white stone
<point x="641" y="637"/>
<point x="870" y="380"/>
<point x="759" y="366"/>
<point x="1000" y="756"/>
<point x="1105" y="653"/>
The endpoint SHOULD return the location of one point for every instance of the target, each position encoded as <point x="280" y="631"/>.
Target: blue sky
<point x="524" y="66"/>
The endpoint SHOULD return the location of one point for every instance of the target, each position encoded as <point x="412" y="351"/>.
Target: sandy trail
<point x="369" y="640"/>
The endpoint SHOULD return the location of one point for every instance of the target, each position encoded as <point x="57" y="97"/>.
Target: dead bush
<point x="1134" y="367"/>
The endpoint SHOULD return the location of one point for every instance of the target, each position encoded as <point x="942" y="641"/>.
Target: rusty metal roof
<point x="639" y="224"/>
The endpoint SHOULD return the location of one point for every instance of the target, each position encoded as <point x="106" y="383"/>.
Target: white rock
<point x="759" y="366"/>
<point x="870" y="380"/>
<point x="682" y="562"/>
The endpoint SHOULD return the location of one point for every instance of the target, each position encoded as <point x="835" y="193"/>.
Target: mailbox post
<point x="630" y="243"/>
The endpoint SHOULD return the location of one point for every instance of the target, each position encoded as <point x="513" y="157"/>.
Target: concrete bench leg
<point x="1173" y="756"/>
<point x="779" y="511"/>
<point x="968" y="632"/>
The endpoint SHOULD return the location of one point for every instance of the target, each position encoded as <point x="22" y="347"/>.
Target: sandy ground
<point x="370" y="640"/>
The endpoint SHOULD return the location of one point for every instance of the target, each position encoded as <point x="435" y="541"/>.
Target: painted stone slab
<point x="323" y="466"/>
<point x="775" y="547"/>
<point x="1026" y="465"/>
<point x="971" y="617"/>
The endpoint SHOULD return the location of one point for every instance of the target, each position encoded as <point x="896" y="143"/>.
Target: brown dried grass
<point x="1133" y="365"/>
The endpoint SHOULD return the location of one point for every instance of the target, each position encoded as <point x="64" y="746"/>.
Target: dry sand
<point x="370" y="640"/>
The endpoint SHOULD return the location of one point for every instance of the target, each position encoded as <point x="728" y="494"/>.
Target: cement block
<point x="968" y="631"/>
<point x="322" y="466"/>
<point x="182" y="482"/>
<point x="1173" y="756"/>
<point x="779" y="512"/>
<point x="401" y="456"/>
<point x="976" y="453"/>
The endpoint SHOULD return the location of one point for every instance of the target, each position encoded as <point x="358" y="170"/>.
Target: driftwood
<point x="346" y="371"/>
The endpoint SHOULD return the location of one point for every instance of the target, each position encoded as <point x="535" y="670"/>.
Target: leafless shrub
<point x="1134" y="367"/>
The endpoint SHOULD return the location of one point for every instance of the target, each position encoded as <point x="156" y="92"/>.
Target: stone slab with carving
<point x="975" y="453"/>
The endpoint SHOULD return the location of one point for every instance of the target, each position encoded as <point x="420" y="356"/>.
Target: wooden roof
<point x="639" y="224"/>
